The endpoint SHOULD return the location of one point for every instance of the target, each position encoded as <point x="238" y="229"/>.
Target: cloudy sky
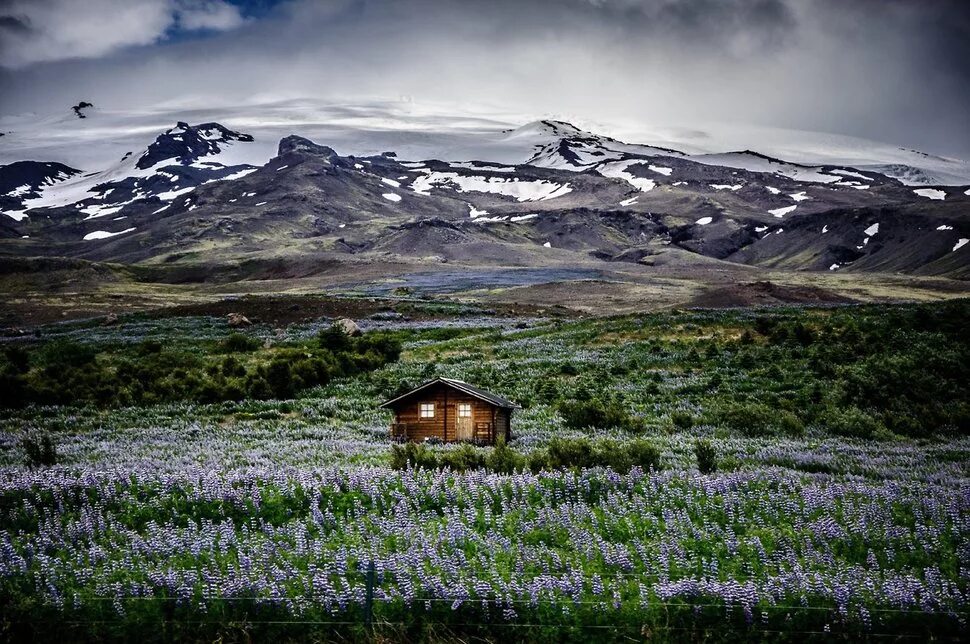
<point x="890" y="70"/>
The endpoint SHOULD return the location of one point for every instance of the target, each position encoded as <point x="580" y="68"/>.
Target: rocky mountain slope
<point x="541" y="193"/>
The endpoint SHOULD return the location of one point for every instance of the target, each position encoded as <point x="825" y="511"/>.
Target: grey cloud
<point x="50" y="30"/>
<point x="13" y="25"/>
<point x="892" y="70"/>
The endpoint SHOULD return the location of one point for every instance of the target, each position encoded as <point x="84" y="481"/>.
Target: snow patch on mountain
<point x="104" y="234"/>
<point x="931" y="193"/>
<point x="618" y="170"/>
<point x="521" y="190"/>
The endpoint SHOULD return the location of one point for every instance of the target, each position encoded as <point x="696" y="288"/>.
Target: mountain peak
<point x="546" y="128"/>
<point x="187" y="143"/>
<point x="293" y="143"/>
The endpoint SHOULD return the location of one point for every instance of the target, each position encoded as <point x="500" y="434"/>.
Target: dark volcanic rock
<point x="81" y="106"/>
<point x="186" y="143"/>
<point x="294" y="143"/>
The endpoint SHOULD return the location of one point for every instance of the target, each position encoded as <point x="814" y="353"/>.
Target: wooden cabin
<point x="450" y="410"/>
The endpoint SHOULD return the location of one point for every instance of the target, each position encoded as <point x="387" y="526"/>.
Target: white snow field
<point x="931" y="193"/>
<point x="521" y="190"/>
<point x="104" y="234"/>
<point x="617" y="170"/>
<point x="781" y="212"/>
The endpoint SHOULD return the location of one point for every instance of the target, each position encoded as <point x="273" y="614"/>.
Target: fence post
<point x="369" y="597"/>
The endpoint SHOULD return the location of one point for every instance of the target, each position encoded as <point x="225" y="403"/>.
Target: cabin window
<point x="427" y="410"/>
<point x="464" y="410"/>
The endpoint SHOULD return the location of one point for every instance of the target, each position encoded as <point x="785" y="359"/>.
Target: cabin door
<point x="463" y="422"/>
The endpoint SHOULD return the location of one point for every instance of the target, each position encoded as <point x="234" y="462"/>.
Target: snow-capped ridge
<point x="187" y="143"/>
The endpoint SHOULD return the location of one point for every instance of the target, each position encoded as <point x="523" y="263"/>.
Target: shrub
<point x="412" y="455"/>
<point x="548" y="390"/>
<point x="462" y="459"/>
<point x="61" y="354"/>
<point x="644" y="454"/>
<point x="682" y="419"/>
<point x="504" y="460"/>
<point x="753" y="419"/>
<point x="569" y="452"/>
<point x="706" y="456"/>
<point x="240" y="343"/>
<point x="232" y="367"/>
<point x="607" y="453"/>
<point x="568" y="369"/>
<point x="17" y="358"/>
<point x="279" y="377"/>
<point x="854" y="422"/>
<point x="578" y="453"/>
<point x="39" y="450"/>
<point x="592" y="412"/>
<point x="538" y="460"/>
<point x="334" y="338"/>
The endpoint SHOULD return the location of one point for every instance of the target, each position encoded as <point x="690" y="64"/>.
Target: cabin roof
<point x="462" y="386"/>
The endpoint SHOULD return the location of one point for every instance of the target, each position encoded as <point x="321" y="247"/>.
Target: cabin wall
<point x="503" y="424"/>
<point x="443" y="425"/>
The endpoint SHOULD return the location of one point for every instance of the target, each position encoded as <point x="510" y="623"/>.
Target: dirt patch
<point x="290" y="309"/>
<point x="764" y="293"/>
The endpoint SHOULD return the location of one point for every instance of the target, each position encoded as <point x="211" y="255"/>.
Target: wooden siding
<point x="444" y="424"/>
<point x="502" y="424"/>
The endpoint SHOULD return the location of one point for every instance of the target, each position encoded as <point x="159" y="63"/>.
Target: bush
<point x="752" y="419"/>
<point x="232" y="367"/>
<point x="504" y="460"/>
<point x="592" y="412"/>
<point x="412" y="456"/>
<point x="578" y="453"/>
<point x="706" y="456"/>
<point x="644" y="454"/>
<point x="854" y="422"/>
<point x="147" y="373"/>
<point x="564" y="453"/>
<point x="240" y="343"/>
<point x="568" y="369"/>
<point x="279" y="377"/>
<point x="17" y="358"/>
<point x="39" y="450"/>
<point x="607" y="453"/>
<point x="682" y="419"/>
<point x="462" y="459"/>
<point x="334" y="338"/>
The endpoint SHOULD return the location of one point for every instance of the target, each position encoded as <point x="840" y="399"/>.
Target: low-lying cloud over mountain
<point x="889" y="70"/>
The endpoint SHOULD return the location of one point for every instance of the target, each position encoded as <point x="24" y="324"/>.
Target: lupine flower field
<point x="838" y="507"/>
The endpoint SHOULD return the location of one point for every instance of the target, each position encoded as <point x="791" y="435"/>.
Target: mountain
<point x="545" y="194"/>
<point x="23" y="181"/>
